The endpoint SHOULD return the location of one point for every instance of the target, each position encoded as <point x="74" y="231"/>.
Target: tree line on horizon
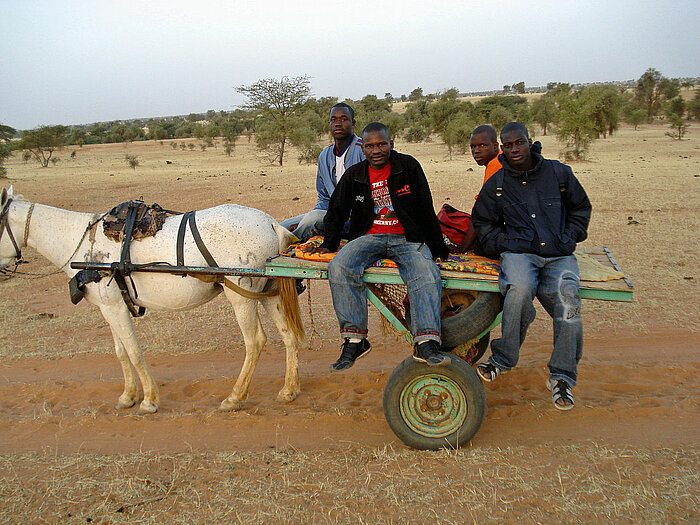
<point x="281" y="112"/>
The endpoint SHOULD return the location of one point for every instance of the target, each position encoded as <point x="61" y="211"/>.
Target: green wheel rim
<point x="433" y="405"/>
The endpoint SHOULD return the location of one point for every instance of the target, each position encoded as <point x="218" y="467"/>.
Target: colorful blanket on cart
<point x="589" y="268"/>
<point x="463" y="262"/>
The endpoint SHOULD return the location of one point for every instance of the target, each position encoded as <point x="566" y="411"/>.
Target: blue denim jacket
<point x="325" y="176"/>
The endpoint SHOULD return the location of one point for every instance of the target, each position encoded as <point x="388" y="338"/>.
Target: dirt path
<point x="66" y="404"/>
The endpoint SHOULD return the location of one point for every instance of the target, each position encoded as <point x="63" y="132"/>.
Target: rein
<point x="4" y="225"/>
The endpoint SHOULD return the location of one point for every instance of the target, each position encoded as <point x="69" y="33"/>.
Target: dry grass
<point x="569" y="484"/>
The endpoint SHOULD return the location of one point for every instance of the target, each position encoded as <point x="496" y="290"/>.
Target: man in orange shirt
<point x="484" y="145"/>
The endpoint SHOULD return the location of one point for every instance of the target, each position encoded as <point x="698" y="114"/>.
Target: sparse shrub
<point x="132" y="161"/>
<point x="203" y="147"/>
<point x="309" y="154"/>
<point x="26" y="156"/>
<point x="183" y="146"/>
<point x="173" y="145"/>
<point x="72" y="154"/>
<point x="190" y="146"/>
<point x="416" y="133"/>
<point x="55" y="160"/>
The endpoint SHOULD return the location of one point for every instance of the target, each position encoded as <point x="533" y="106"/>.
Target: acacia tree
<point x="544" y="111"/>
<point x="675" y="111"/>
<point x="6" y="133"/>
<point x="575" y="127"/>
<point x="43" y="141"/>
<point x="277" y="104"/>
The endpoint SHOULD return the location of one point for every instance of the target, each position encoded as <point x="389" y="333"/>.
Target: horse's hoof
<point x="286" y="396"/>
<point x="125" y="402"/>
<point x="147" y="407"/>
<point x="229" y="405"/>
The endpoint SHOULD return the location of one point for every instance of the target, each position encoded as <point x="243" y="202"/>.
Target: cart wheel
<point x="429" y="408"/>
<point x="473" y="314"/>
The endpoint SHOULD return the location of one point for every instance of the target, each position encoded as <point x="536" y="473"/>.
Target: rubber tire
<point x="471" y="321"/>
<point x="461" y="374"/>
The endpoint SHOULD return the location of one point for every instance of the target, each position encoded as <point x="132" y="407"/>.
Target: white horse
<point x="235" y="236"/>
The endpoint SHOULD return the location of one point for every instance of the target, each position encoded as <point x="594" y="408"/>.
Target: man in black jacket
<point x="391" y="215"/>
<point x="531" y="214"/>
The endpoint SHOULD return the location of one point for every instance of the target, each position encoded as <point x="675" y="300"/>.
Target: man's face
<point x="341" y="123"/>
<point x="377" y="148"/>
<point x="483" y="148"/>
<point x="516" y="148"/>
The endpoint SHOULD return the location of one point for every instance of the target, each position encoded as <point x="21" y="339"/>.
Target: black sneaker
<point x="488" y="371"/>
<point x="351" y="352"/>
<point x="562" y="396"/>
<point x="430" y="354"/>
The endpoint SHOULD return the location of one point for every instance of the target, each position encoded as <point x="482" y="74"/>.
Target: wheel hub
<point x="433" y="405"/>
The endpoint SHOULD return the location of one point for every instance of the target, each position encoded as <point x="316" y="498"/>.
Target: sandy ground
<point x="636" y="403"/>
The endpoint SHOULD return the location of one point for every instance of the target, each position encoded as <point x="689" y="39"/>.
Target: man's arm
<point x="488" y="221"/>
<point x="338" y="212"/>
<point x="578" y="208"/>
<point x="321" y="186"/>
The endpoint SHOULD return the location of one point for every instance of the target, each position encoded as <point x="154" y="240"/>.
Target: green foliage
<point x="519" y="88"/>
<point x="544" y="111"/>
<point x="604" y="105"/>
<point x="674" y="110"/>
<point x="653" y="90"/>
<point x="6" y="133"/>
<point x="499" y="117"/>
<point x="694" y="106"/>
<point x="575" y="128"/>
<point x="132" y="161"/>
<point x="278" y="103"/>
<point x="416" y="94"/>
<point x="416" y="133"/>
<point x="458" y="132"/>
<point x="486" y="105"/>
<point x="635" y="117"/>
<point x="43" y="141"/>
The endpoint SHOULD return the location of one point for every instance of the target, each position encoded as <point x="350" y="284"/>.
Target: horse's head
<point x="10" y="244"/>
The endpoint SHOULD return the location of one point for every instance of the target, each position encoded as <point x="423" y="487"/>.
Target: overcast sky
<point x="77" y="62"/>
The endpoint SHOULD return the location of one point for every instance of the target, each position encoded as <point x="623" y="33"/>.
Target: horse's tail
<point x="287" y="287"/>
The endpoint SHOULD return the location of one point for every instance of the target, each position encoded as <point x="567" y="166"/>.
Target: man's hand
<point x="318" y="249"/>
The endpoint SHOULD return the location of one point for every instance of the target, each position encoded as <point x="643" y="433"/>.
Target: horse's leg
<point x="254" y="337"/>
<point x="130" y="394"/>
<point x="119" y="320"/>
<point x="291" y="389"/>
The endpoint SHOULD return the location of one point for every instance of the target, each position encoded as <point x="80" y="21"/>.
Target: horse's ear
<point x="3" y="200"/>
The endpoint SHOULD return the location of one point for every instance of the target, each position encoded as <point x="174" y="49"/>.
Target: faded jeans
<point x="308" y="224"/>
<point x="555" y="283"/>
<point x="416" y="267"/>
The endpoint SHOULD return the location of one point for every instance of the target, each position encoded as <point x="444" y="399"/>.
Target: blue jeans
<point x="308" y="224"/>
<point x="555" y="283"/>
<point x="416" y="267"/>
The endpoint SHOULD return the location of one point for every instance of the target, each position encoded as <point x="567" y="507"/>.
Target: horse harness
<point x="5" y="226"/>
<point x="137" y="220"/>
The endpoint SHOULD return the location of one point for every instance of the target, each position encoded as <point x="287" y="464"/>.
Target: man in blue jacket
<point x="391" y="213"/>
<point x="531" y="214"/>
<point x="345" y="151"/>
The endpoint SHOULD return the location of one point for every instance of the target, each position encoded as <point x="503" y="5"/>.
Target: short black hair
<point x="486" y="129"/>
<point x="377" y="126"/>
<point x="515" y="126"/>
<point x="344" y="106"/>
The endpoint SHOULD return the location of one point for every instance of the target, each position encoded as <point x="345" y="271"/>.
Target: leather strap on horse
<point x="188" y="218"/>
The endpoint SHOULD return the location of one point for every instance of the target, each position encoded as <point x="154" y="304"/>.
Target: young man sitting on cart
<point x="531" y="214"/>
<point x="391" y="215"/>
<point x="345" y="151"/>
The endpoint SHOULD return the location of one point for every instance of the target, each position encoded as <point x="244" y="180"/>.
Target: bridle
<point x="5" y="227"/>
